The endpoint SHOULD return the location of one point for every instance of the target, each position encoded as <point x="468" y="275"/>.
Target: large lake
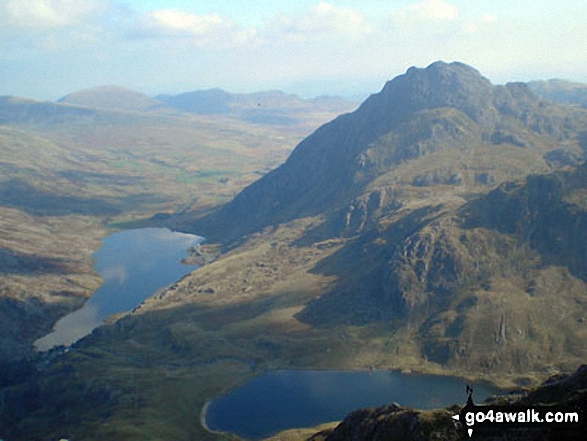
<point x="134" y="265"/>
<point x="279" y="400"/>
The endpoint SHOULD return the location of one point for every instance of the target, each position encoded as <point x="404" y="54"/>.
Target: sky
<point x="49" y="48"/>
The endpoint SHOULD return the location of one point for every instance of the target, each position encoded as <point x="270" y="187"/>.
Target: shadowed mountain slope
<point x="439" y="108"/>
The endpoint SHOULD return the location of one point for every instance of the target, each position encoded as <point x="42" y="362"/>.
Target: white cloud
<point x="488" y="18"/>
<point x="480" y="23"/>
<point x="46" y="14"/>
<point x="430" y="10"/>
<point x="215" y="30"/>
<point x="171" y="21"/>
<point x="205" y="31"/>
<point x="54" y="25"/>
<point x="323" y="20"/>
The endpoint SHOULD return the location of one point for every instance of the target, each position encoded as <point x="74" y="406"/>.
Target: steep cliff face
<point x="543" y="216"/>
<point x="547" y="214"/>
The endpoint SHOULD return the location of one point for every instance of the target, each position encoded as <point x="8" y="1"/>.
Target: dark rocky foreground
<point x="395" y="422"/>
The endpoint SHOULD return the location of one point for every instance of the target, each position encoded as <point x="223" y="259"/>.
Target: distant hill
<point x="561" y="91"/>
<point x="272" y="107"/>
<point x="212" y="101"/>
<point x="112" y="98"/>
<point x="15" y="110"/>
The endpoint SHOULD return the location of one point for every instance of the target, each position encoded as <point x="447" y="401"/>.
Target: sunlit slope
<point x="100" y="158"/>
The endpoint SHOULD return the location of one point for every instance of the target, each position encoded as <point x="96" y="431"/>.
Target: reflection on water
<point x="134" y="265"/>
<point x="280" y="400"/>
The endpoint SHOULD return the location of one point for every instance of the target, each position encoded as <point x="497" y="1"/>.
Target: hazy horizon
<point x="50" y="48"/>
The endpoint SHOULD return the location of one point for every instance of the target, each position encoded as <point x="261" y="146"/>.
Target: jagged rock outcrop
<point x="547" y="213"/>
<point x="390" y="423"/>
<point x="431" y="263"/>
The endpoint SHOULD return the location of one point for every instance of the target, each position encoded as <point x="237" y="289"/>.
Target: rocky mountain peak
<point x="442" y="107"/>
<point x="439" y="85"/>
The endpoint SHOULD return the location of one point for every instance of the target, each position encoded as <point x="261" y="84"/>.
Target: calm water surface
<point x="279" y="400"/>
<point x="134" y="265"/>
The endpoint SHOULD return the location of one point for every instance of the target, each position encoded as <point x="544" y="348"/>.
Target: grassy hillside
<point x="67" y="173"/>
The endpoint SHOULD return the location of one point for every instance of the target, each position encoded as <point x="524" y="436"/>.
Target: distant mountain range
<point x="272" y="107"/>
<point x="268" y="108"/>
<point x="561" y="91"/>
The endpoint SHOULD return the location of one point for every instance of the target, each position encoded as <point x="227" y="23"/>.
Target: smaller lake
<point x="280" y="400"/>
<point x="134" y="265"/>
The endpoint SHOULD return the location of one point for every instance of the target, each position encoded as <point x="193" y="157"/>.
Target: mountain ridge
<point x="333" y="164"/>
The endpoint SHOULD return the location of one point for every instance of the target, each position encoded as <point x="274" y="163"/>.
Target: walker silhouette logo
<point x="548" y="422"/>
<point x="467" y="409"/>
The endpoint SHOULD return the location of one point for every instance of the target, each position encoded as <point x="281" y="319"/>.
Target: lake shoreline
<point x="161" y="253"/>
<point x="431" y="391"/>
<point x="203" y="423"/>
